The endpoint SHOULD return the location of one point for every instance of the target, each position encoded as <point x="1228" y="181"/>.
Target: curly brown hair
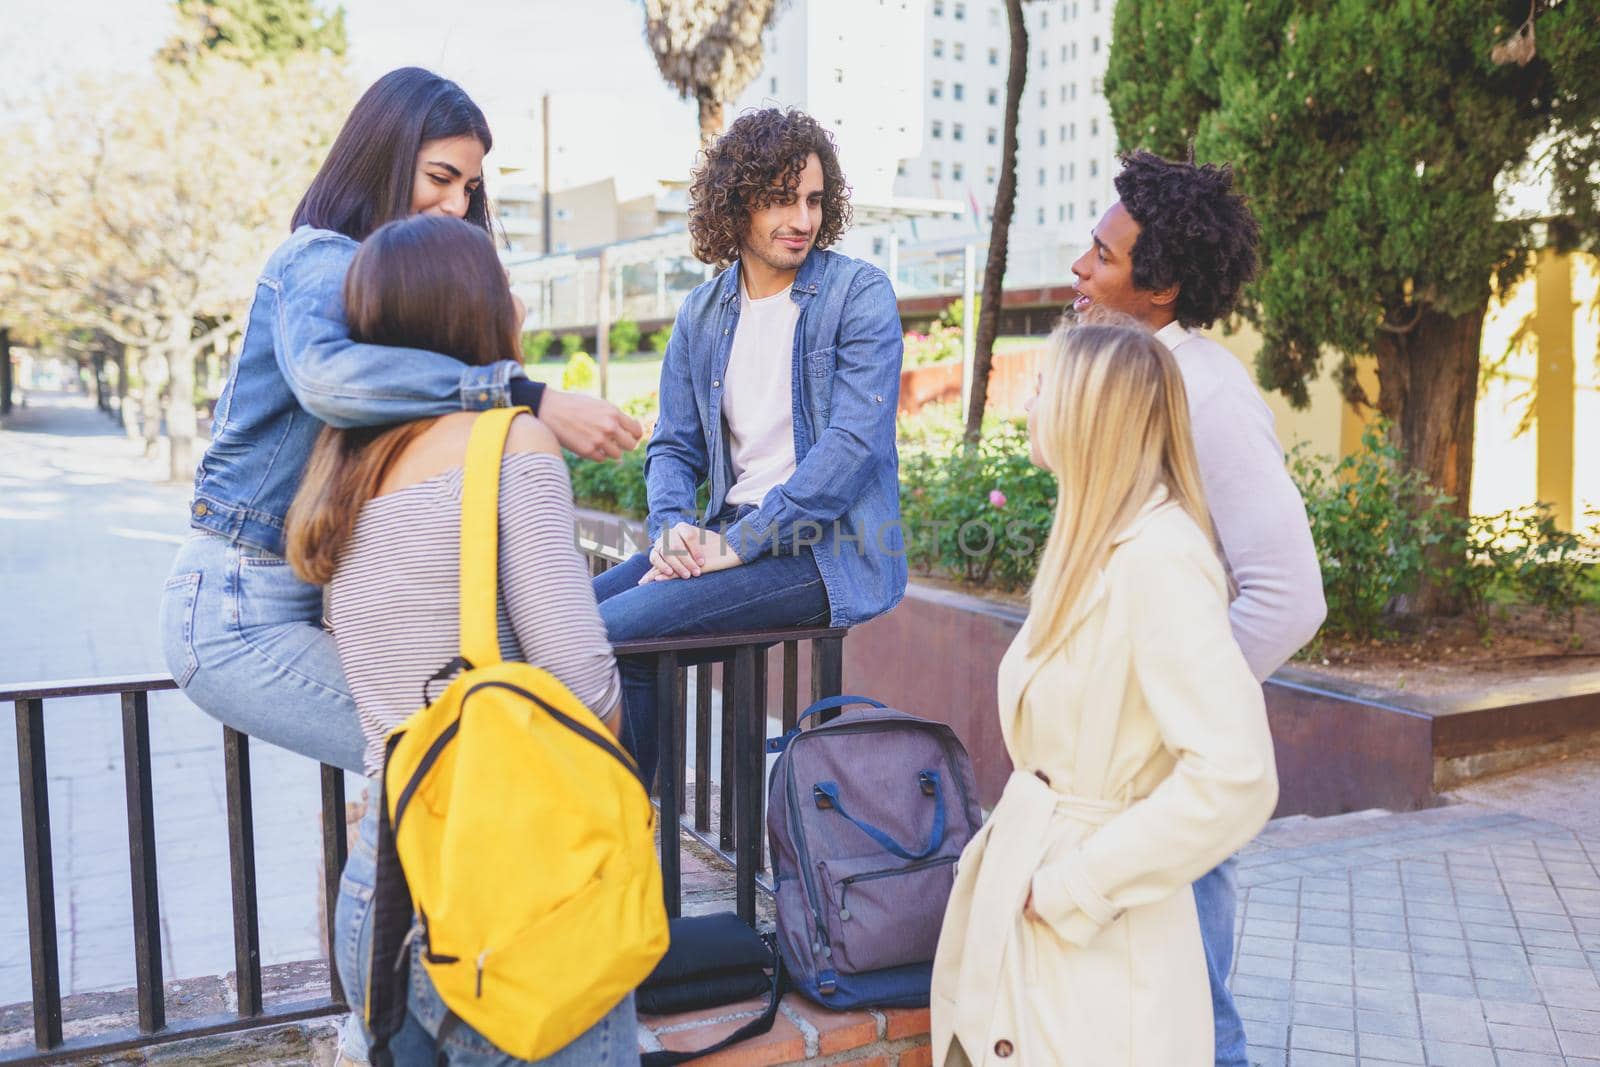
<point x="762" y="152"/>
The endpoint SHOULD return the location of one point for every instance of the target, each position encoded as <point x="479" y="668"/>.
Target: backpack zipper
<point x="448" y="734"/>
<point x="871" y="876"/>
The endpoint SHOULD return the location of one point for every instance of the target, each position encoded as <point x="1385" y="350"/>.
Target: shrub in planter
<point x="659" y="339"/>
<point x="571" y="344"/>
<point x="624" y="337"/>
<point x="1371" y="543"/>
<point x="1522" y="555"/>
<point x="535" y="345"/>
<point x="980" y="514"/>
<point x="939" y="344"/>
<point x="580" y="373"/>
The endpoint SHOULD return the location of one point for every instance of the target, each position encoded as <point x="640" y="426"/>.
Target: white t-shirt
<point x="757" y="400"/>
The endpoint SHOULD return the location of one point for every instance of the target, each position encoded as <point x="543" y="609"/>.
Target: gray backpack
<point x="867" y="815"/>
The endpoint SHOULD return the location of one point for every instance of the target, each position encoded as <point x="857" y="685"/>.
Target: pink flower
<point x="997" y="498"/>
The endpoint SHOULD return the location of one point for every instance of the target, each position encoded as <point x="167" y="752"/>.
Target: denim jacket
<point x="843" y="498"/>
<point x="297" y="369"/>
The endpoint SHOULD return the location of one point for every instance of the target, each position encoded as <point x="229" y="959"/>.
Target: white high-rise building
<point x="847" y="62"/>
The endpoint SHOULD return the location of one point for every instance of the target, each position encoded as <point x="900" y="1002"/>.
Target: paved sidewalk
<point x="1464" y="935"/>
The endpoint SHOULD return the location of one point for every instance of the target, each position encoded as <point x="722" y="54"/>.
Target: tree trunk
<point x="1428" y="390"/>
<point x="153" y="374"/>
<point x="181" y="419"/>
<point x="5" y="371"/>
<point x="710" y="117"/>
<point x="1005" y="202"/>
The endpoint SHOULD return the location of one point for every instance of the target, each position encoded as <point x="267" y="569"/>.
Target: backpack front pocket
<point x="879" y="916"/>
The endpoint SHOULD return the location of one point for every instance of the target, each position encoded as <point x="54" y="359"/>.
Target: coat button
<point x="1003" y="1048"/>
<point x="716" y="383"/>
<point x="200" y="509"/>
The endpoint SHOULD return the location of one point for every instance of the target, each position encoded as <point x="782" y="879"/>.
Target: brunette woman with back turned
<point x="378" y="521"/>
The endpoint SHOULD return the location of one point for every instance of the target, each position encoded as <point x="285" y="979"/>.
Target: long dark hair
<point x="367" y="178"/>
<point x="428" y="282"/>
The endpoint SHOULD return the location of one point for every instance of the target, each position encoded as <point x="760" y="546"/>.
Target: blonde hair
<point x="1112" y="423"/>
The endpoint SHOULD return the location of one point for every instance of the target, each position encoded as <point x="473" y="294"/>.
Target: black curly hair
<point x="1194" y="232"/>
<point x="762" y="151"/>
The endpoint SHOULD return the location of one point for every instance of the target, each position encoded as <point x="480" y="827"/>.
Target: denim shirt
<point x="843" y="498"/>
<point x="298" y="369"/>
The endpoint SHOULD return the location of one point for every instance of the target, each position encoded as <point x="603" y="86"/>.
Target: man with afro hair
<point x="1174" y="252"/>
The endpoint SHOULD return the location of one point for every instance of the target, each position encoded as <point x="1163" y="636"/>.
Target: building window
<point x="1063" y="94"/>
<point x="957" y="132"/>
<point x="1072" y="212"/>
<point x="1041" y="175"/>
<point x="938" y="9"/>
<point x="992" y="135"/>
<point x="1074" y="90"/>
<point x="1095" y="84"/>
<point x="1094" y="43"/>
<point x="877" y="246"/>
<point x="960" y="12"/>
<point x="1074" y="49"/>
<point x="1044" y="57"/>
<point x="994" y="96"/>
<point x="994" y="57"/>
<point x="960" y="50"/>
<point x="1061" y="173"/>
<point x="900" y="169"/>
<point x="1039" y="216"/>
<point x="938" y="129"/>
<point x="1094" y="208"/>
<point x="938" y="48"/>
<point x="838" y="75"/>
<point x="1061" y="213"/>
<point x="1041" y="139"/>
<point x="958" y="91"/>
<point x="774" y="87"/>
<point x="956" y="171"/>
<point x="1063" y="53"/>
<point x="1072" y="131"/>
<point x="1044" y="19"/>
<point x="1072" y="172"/>
<point x="988" y="175"/>
<point x="1094" y="168"/>
<point x="1094" y="127"/>
<point x="1044" y="99"/>
<point x="994" y="16"/>
<point x="1063" y="134"/>
<point x="938" y="89"/>
<point x="936" y="170"/>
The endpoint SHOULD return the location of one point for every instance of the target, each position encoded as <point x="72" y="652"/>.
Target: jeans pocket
<point x="178" y="598"/>
<point x="352" y="927"/>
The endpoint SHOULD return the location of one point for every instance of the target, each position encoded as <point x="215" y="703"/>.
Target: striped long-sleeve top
<point x="393" y="600"/>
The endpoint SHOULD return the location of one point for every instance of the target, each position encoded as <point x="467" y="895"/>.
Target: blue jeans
<point x="1215" y="897"/>
<point x="611" y="1042"/>
<point x="767" y="593"/>
<point x="243" y="638"/>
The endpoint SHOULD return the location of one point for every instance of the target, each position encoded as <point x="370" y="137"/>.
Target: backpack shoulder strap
<point x="480" y="537"/>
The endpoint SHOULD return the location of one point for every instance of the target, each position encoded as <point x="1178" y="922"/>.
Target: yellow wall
<point x="1549" y="370"/>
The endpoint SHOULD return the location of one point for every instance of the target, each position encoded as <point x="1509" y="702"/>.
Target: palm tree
<point x="708" y="49"/>
<point x="1005" y="203"/>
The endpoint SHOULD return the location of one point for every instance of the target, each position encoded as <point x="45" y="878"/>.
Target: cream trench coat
<point x="1142" y="760"/>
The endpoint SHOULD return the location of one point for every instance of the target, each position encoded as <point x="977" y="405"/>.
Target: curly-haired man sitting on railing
<point x="779" y="387"/>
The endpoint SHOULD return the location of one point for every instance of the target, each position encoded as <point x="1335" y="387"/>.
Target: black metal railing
<point x="39" y="873"/>
<point x="741" y="659"/>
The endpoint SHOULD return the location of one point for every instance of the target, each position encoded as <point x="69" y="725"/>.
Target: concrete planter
<point x="1340" y="747"/>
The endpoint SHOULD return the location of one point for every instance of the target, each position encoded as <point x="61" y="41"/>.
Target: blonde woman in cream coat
<point x="1139" y="739"/>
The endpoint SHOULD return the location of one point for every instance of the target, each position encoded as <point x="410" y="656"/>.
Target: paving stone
<point x="1322" y="1039"/>
<point x="1453" y="1054"/>
<point x="1390" y="1049"/>
<point x="1388" y="1024"/>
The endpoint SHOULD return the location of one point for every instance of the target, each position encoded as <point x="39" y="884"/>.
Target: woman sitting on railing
<point x="378" y="519"/>
<point x="241" y="634"/>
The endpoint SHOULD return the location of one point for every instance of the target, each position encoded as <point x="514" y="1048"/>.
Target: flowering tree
<point x="147" y="208"/>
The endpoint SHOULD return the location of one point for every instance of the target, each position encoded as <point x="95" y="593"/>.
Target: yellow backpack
<point x="515" y="834"/>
